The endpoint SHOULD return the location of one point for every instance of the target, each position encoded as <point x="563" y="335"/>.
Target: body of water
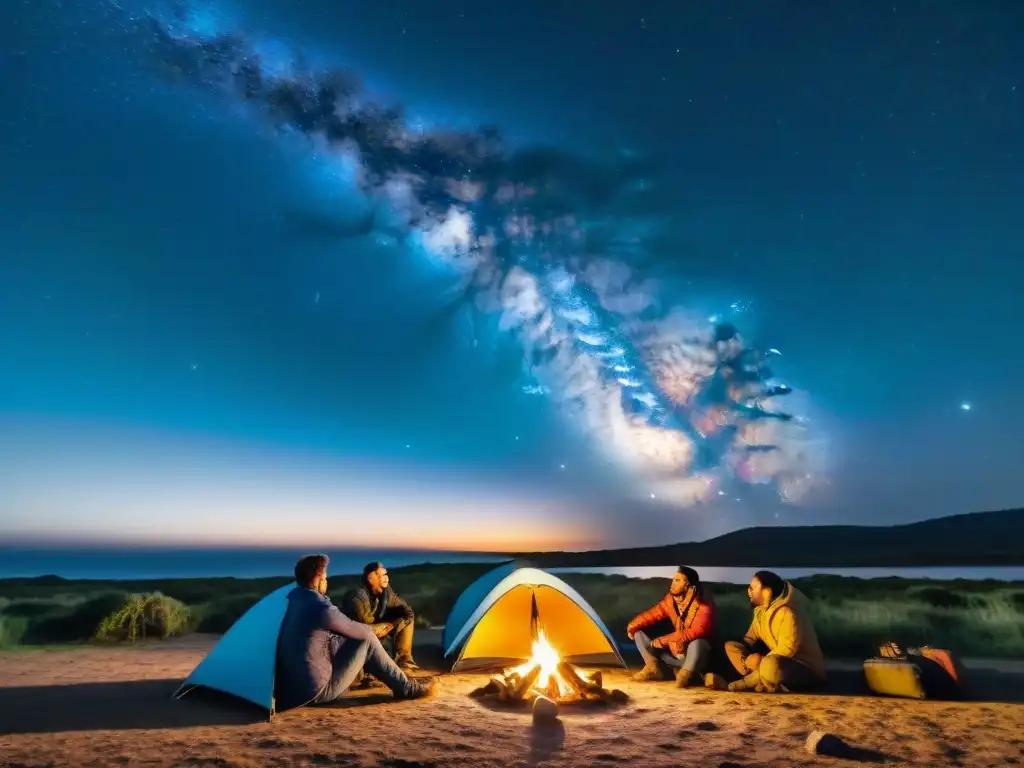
<point x="240" y="563"/>
<point x="250" y="563"/>
<point x="742" y="575"/>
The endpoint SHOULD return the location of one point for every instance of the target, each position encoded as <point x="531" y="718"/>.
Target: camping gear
<point x="915" y="673"/>
<point x="243" y="662"/>
<point x="494" y="621"/>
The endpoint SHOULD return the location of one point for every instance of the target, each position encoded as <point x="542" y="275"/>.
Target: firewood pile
<point x="516" y="687"/>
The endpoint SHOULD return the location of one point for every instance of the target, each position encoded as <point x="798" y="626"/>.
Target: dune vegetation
<point x="852" y="616"/>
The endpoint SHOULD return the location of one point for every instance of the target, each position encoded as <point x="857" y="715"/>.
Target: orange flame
<point x="547" y="657"/>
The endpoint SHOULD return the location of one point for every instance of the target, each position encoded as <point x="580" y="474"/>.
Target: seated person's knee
<point x="770" y="670"/>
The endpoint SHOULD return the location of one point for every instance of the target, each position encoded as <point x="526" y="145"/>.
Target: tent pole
<point x="534" y="616"/>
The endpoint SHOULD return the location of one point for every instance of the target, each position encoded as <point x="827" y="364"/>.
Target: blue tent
<point x="492" y="622"/>
<point x="243" y="662"/>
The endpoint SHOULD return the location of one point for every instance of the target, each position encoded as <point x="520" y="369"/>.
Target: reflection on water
<point x="742" y="575"/>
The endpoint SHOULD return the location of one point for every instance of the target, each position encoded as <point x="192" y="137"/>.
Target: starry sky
<point x="195" y="349"/>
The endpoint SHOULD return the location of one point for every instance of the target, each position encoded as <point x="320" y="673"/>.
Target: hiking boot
<point x="715" y="682"/>
<point x="683" y="678"/>
<point x="649" y="674"/>
<point x="419" y="688"/>
<point x="408" y="665"/>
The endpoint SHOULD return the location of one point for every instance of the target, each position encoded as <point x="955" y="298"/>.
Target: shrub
<point x="143" y="616"/>
<point x="938" y="597"/>
<point x="218" y="615"/>
<point x="12" y="630"/>
<point x="63" y="624"/>
<point x="28" y="609"/>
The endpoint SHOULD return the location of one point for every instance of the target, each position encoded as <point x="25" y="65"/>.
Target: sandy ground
<point x="111" y="707"/>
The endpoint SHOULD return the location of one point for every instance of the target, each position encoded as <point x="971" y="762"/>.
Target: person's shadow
<point x="546" y="740"/>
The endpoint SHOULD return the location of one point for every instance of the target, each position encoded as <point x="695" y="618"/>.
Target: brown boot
<point x="715" y="682"/>
<point x="419" y="688"/>
<point x="683" y="678"/>
<point x="649" y="674"/>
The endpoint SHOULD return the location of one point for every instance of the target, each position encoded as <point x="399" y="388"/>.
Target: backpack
<point x="915" y="673"/>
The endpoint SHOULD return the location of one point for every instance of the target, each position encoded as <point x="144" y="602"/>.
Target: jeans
<point x="351" y="657"/>
<point x="695" y="658"/>
<point x="773" y="670"/>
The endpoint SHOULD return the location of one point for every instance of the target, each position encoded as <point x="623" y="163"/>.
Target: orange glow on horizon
<point x="515" y="540"/>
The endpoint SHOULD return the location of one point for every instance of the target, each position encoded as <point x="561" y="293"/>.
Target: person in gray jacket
<point x="321" y="652"/>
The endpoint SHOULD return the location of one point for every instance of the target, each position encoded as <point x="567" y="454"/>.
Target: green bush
<point x="938" y="597"/>
<point x="12" y="630"/>
<point x="218" y="616"/>
<point x="145" y="616"/>
<point x="71" y="623"/>
<point x="28" y="609"/>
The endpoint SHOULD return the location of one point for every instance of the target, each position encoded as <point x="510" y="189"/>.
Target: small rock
<point x="821" y="743"/>
<point x="544" y="709"/>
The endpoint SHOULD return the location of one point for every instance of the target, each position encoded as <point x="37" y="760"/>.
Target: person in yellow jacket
<point x="780" y="651"/>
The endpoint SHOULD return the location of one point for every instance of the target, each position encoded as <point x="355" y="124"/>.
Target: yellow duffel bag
<point x="918" y="673"/>
<point x="894" y="677"/>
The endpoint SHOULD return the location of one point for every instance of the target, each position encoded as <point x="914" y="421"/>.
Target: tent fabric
<point x="243" y="662"/>
<point x="491" y="619"/>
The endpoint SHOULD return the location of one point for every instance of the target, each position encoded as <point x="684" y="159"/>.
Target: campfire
<point x="547" y="680"/>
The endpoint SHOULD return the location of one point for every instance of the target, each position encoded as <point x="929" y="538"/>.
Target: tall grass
<point x="851" y="616"/>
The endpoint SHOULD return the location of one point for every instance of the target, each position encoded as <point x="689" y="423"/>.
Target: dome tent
<point x="490" y="623"/>
<point x="244" y="660"/>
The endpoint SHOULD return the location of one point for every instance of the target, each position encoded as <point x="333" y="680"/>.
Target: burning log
<point x="573" y="678"/>
<point x="523" y="686"/>
<point x="547" y="679"/>
<point x="564" y="684"/>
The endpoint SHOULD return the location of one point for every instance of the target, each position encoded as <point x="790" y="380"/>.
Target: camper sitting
<point x="780" y="651"/>
<point x="687" y="649"/>
<point x="320" y="651"/>
<point x="377" y="604"/>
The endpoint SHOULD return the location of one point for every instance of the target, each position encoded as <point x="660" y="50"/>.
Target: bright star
<point x="965" y="406"/>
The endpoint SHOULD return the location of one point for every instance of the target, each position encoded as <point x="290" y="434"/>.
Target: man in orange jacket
<point x="687" y="649"/>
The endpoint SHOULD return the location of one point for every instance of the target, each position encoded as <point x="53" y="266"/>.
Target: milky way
<point x="538" y="237"/>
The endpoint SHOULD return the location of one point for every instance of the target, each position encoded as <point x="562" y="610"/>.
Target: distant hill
<point x="978" y="538"/>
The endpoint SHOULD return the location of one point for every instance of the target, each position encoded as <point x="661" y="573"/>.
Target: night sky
<point x="200" y="342"/>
